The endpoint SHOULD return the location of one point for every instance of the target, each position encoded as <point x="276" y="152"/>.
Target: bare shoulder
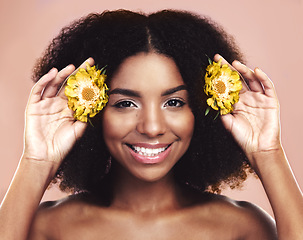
<point x="249" y="220"/>
<point x="51" y="216"/>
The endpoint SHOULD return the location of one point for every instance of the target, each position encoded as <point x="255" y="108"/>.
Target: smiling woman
<point x="149" y="164"/>
<point x="148" y="124"/>
<point x="167" y="34"/>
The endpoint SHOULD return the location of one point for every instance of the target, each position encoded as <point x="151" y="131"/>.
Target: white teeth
<point x="148" y="151"/>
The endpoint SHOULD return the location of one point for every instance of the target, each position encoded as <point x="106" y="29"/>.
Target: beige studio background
<point x="269" y="32"/>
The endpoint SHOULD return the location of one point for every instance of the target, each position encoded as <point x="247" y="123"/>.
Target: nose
<point x="151" y="121"/>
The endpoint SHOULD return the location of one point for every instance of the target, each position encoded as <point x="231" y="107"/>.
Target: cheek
<point x="115" y="126"/>
<point x="183" y="125"/>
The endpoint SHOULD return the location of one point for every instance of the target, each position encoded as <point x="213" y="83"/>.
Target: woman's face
<point x="147" y="122"/>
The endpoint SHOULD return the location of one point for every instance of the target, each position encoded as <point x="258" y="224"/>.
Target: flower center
<point x="220" y="87"/>
<point x="88" y="94"/>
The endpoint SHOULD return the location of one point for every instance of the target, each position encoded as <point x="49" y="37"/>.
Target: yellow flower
<point x="86" y="92"/>
<point x="222" y="86"/>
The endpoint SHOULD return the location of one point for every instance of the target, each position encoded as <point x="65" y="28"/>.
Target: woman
<point x="149" y="163"/>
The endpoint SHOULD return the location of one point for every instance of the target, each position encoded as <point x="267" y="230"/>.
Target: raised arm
<point x="256" y="127"/>
<point x="50" y="133"/>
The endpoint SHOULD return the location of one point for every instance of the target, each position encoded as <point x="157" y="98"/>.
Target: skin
<point x="153" y="116"/>
<point x="147" y="203"/>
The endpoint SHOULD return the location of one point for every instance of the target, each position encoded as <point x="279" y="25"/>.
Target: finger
<point x="39" y="87"/>
<point x="245" y="87"/>
<point x="217" y="57"/>
<point x="90" y="61"/>
<point x="52" y="87"/>
<point x="268" y="85"/>
<point x="253" y="82"/>
<point x="79" y="129"/>
<point x="227" y="121"/>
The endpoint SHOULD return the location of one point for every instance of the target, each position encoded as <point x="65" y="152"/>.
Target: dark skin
<point x="199" y="216"/>
<point x="146" y="201"/>
<point x="148" y="125"/>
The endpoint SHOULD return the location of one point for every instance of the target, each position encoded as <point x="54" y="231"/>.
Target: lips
<point x="149" y="154"/>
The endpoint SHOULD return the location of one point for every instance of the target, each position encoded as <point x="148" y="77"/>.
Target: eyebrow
<point x="173" y="90"/>
<point x="133" y="93"/>
<point x="124" y="91"/>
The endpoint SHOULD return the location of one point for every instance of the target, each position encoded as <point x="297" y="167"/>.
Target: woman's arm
<point x="283" y="192"/>
<point x="256" y="127"/>
<point x="22" y="199"/>
<point x="50" y="133"/>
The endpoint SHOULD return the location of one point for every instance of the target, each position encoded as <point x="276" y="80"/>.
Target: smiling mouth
<point x="148" y="152"/>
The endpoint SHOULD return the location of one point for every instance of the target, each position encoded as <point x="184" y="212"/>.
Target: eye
<point x="174" y="103"/>
<point x="124" y="104"/>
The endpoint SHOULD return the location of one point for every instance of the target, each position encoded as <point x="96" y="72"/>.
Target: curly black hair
<point x="213" y="156"/>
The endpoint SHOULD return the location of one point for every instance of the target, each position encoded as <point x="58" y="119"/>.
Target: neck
<point x="133" y="194"/>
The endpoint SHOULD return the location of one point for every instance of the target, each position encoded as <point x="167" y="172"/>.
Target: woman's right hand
<point x="50" y="128"/>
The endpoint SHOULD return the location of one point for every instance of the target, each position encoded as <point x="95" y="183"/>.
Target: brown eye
<point x="124" y="104"/>
<point x="174" y="103"/>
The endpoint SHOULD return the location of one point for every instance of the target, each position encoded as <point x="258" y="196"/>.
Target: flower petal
<point x="217" y="98"/>
<point x="82" y="105"/>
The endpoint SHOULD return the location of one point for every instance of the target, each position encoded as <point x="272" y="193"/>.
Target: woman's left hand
<point x="254" y="122"/>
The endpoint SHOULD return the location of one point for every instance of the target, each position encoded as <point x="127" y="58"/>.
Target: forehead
<point x="145" y="71"/>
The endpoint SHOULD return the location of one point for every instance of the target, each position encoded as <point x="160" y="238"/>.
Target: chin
<point x="152" y="174"/>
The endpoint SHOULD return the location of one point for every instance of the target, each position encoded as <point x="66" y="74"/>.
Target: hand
<point x="254" y="121"/>
<point x="50" y="128"/>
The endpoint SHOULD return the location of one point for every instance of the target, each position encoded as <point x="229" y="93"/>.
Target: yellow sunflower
<point x="86" y="92"/>
<point x="222" y="86"/>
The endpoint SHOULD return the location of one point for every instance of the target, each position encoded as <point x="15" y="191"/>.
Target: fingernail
<point x="68" y="66"/>
<point x="259" y="69"/>
<point x="238" y="62"/>
<point x="52" y="70"/>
